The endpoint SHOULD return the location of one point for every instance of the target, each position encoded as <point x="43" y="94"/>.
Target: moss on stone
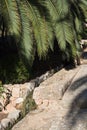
<point x="28" y="104"/>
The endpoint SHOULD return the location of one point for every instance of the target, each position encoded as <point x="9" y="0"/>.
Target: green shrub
<point x="1" y="88"/>
<point x="28" y="104"/>
<point x="13" y="70"/>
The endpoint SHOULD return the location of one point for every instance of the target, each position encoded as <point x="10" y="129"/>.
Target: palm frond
<point x="37" y="23"/>
<point x="26" y="39"/>
<point x="59" y="12"/>
<point x="41" y="29"/>
<point x="9" y="12"/>
<point x="83" y="6"/>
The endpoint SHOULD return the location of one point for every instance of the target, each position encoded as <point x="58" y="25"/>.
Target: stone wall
<point x="14" y="102"/>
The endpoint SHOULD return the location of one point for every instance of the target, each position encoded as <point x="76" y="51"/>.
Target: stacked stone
<point x="11" y="101"/>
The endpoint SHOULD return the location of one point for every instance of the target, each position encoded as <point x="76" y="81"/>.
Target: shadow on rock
<point x="76" y="117"/>
<point x="78" y="83"/>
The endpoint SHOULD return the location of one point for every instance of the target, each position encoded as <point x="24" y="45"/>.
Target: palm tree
<point x="27" y="23"/>
<point x="67" y="17"/>
<point x="35" y="24"/>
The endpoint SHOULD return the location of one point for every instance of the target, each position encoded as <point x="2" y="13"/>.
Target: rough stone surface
<point x="5" y="123"/>
<point x="15" y="91"/>
<point x="19" y="100"/>
<point x="1" y="107"/>
<point x="15" y="98"/>
<point x="69" y="113"/>
<point x="13" y="116"/>
<point x="0" y="126"/>
<point x="54" y="87"/>
<point x="61" y="100"/>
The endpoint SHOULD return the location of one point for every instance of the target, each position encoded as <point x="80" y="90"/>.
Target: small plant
<point x="1" y="88"/>
<point x="29" y="104"/>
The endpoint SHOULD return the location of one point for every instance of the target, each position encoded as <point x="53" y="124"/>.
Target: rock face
<point x="53" y="88"/>
<point x="1" y="106"/>
<point x="12" y="103"/>
<point x="62" y="103"/>
<point x="16" y="100"/>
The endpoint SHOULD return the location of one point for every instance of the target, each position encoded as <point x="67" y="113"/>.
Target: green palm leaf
<point x="9" y="12"/>
<point x="41" y="29"/>
<point x="36" y="23"/>
<point x="59" y="12"/>
<point x="26" y="39"/>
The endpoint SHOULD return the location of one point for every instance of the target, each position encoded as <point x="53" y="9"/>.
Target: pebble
<point x="19" y="100"/>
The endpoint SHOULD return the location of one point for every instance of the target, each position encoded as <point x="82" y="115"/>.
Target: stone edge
<point x="14" y="117"/>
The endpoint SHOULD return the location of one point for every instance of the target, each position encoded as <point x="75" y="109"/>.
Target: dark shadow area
<point x="84" y="55"/>
<point x="78" y="110"/>
<point x="14" y="70"/>
<point x="53" y="60"/>
<point x="7" y="45"/>
<point x="78" y="107"/>
<point x="78" y="83"/>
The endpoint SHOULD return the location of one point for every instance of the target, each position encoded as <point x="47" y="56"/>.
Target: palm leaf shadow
<point x="78" y="107"/>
